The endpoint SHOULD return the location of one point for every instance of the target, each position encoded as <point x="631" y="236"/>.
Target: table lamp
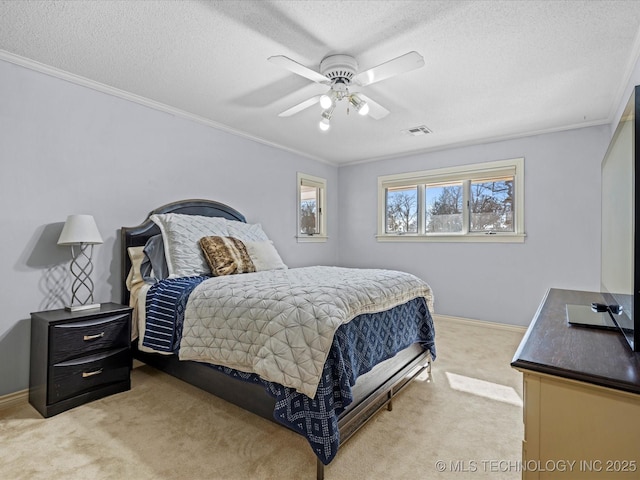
<point x="81" y="232"/>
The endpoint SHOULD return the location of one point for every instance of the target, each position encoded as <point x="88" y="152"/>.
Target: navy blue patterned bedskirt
<point x="357" y="347"/>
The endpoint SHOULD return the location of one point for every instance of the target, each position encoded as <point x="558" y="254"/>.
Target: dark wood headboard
<point x="137" y="236"/>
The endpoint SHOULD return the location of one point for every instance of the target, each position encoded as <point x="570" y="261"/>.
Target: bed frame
<point x="372" y="391"/>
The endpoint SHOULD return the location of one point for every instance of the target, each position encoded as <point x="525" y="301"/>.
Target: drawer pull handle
<point x="91" y="374"/>
<point x="93" y="337"/>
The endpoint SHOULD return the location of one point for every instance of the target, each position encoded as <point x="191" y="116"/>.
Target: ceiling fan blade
<point x="376" y="110"/>
<point x="299" y="69"/>
<point x="301" y="106"/>
<point x="404" y="63"/>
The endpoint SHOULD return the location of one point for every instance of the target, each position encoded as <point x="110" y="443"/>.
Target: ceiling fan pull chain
<point x="346" y="95"/>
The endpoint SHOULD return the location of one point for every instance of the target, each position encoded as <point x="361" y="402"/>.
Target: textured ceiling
<point x="493" y="69"/>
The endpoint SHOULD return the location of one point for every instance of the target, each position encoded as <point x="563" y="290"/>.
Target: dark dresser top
<point x="66" y="315"/>
<point x="554" y="347"/>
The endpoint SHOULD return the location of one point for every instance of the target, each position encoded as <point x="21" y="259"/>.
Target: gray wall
<point x="69" y="149"/>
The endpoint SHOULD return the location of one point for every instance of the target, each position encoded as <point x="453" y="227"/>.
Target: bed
<point x="348" y="372"/>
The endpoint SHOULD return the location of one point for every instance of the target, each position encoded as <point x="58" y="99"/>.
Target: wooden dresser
<point x="581" y="397"/>
<point x="77" y="357"/>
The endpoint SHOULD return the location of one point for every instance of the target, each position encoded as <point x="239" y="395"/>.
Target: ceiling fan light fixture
<point x="325" y="124"/>
<point x="325" y="121"/>
<point x="360" y="105"/>
<point x="326" y="101"/>
<point x="339" y="72"/>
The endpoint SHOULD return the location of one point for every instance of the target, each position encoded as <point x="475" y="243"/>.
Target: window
<point x="443" y="207"/>
<point x="402" y="209"/>
<point x="481" y="202"/>
<point x="311" y="208"/>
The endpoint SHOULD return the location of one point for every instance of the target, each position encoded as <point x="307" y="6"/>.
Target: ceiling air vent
<point x="417" y="131"/>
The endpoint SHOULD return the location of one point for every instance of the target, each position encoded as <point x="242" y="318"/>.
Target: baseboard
<point x="14" y="399"/>
<point x="479" y="323"/>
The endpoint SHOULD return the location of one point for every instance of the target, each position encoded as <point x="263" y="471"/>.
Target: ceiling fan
<point x="340" y="73"/>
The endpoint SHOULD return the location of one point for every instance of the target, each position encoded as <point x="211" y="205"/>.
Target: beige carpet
<point x="166" y="429"/>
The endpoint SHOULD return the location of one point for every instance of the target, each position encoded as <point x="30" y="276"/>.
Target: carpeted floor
<point x="465" y="424"/>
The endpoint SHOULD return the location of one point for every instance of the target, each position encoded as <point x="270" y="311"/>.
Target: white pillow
<point x="264" y="256"/>
<point x="246" y="232"/>
<point x="181" y="234"/>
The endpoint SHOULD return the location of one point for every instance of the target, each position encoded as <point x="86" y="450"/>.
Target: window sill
<point x="477" y="238"/>
<point x="311" y="238"/>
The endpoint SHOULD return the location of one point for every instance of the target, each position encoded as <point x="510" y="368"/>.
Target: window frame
<point x="320" y="183"/>
<point x="466" y="174"/>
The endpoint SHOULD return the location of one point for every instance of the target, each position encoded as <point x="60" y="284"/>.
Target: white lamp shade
<point x="80" y="229"/>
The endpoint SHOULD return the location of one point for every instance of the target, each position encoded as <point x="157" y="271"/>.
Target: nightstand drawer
<point x="75" y="339"/>
<point x="74" y="377"/>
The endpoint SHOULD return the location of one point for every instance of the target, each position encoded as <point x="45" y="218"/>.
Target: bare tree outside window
<point x="309" y="210"/>
<point x="402" y="210"/>
<point x="444" y="208"/>
<point x="308" y="222"/>
<point x="492" y="205"/>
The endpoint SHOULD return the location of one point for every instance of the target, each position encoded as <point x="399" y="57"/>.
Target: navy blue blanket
<point x="357" y="347"/>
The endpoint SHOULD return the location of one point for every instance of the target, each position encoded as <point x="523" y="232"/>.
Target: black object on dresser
<point x="80" y="356"/>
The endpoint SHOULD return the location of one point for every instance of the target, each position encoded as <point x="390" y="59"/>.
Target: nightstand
<point x="80" y="356"/>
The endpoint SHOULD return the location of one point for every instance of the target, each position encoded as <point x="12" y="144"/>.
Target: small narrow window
<point x="311" y="208"/>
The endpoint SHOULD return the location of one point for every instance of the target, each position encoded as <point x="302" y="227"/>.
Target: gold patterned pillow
<point x="226" y="255"/>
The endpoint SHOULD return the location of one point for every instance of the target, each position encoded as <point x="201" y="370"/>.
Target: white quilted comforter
<point x="280" y="324"/>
